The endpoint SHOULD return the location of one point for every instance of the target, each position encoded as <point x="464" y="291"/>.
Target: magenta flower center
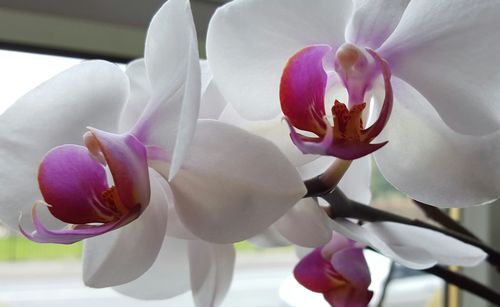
<point x="76" y="188"/>
<point x="304" y="82"/>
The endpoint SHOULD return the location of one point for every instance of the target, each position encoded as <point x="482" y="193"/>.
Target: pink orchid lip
<point x="74" y="185"/>
<point x="302" y="89"/>
<point x="302" y="93"/>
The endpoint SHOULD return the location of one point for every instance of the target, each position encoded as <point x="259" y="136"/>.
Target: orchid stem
<point x="341" y="206"/>
<point x="327" y="181"/>
<point x="465" y="283"/>
<point x="315" y="187"/>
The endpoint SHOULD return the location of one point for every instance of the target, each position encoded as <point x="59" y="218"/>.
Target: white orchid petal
<point x="415" y="247"/>
<point x="440" y="48"/>
<point x="416" y="258"/>
<point x="249" y="43"/>
<point x="350" y="230"/>
<point x="54" y="113"/>
<point x="356" y="182"/>
<point x="123" y="255"/>
<point x="175" y="228"/>
<point x="305" y="224"/>
<point x="212" y="102"/>
<point x="189" y="111"/>
<point x="140" y="92"/>
<point x="234" y="184"/>
<point x="166" y="278"/>
<point x="443" y="249"/>
<point x="168" y="41"/>
<point x="430" y="162"/>
<point x="212" y="267"/>
<point x="275" y="130"/>
<point x="206" y="75"/>
<point x="270" y="237"/>
<point x="373" y="21"/>
<point x="173" y="68"/>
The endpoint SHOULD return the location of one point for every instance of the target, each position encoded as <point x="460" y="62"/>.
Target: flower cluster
<point x="184" y="157"/>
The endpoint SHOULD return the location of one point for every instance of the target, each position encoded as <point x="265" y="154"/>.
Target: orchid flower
<point x="307" y="225"/>
<point x="340" y="279"/>
<point x="72" y="178"/>
<point x="428" y="56"/>
<point x="295" y="225"/>
<point x="339" y="271"/>
<point x="302" y="95"/>
<point x="224" y="191"/>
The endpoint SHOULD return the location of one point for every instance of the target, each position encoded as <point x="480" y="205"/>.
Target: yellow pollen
<point x="112" y="201"/>
<point x="347" y="124"/>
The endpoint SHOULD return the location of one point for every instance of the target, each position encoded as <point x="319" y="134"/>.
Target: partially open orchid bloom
<point x="339" y="271"/>
<point x="300" y="56"/>
<point x="73" y="179"/>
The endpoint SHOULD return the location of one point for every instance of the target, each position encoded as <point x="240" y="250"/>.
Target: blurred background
<point x="40" y="38"/>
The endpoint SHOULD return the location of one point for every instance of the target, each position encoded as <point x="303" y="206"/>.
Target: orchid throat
<point x="304" y="82"/>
